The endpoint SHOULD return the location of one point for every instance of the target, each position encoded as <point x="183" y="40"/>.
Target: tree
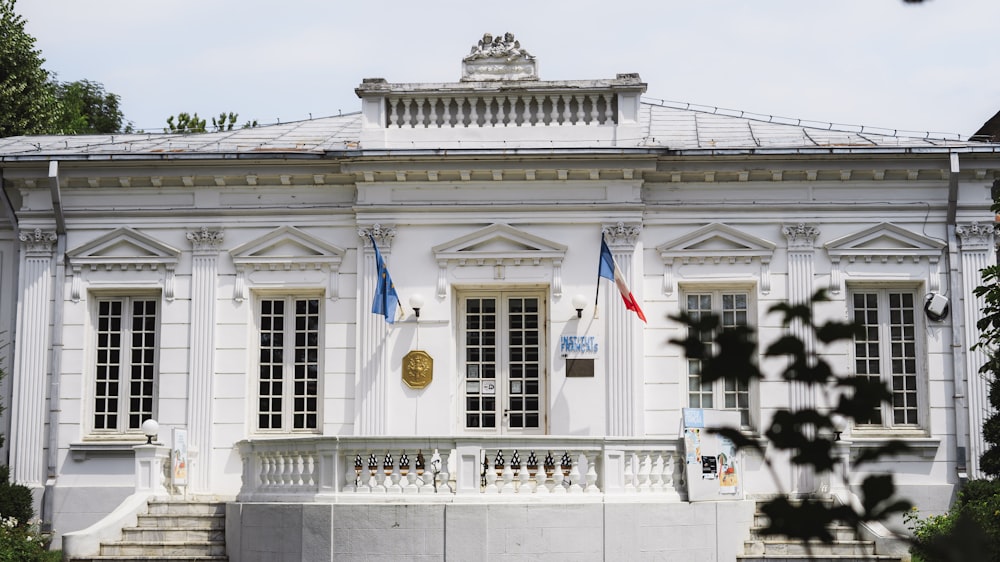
<point x="28" y="103"/>
<point x="191" y="123"/>
<point x="186" y="123"/>
<point x="86" y="108"/>
<point x="808" y="434"/>
<point x="989" y="340"/>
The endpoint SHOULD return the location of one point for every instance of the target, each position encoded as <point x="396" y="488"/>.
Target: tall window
<point x="125" y="364"/>
<point x="504" y="362"/>
<point x="888" y="351"/>
<point x="288" y="381"/>
<point x="733" y="309"/>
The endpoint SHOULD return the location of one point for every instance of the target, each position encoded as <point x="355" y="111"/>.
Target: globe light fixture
<point x="150" y="428"/>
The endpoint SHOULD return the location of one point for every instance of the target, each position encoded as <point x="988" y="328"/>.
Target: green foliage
<point x="15" y="500"/>
<point x="186" y="123"/>
<point x="28" y="103"/>
<point x="86" y="108"/>
<point x="806" y="434"/>
<point x="989" y="340"/>
<point x="191" y="123"/>
<point x="970" y="530"/>
<point x="23" y="543"/>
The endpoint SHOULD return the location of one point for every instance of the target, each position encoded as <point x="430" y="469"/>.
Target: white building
<point x="222" y="283"/>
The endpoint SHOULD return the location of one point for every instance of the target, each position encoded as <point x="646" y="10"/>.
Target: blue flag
<point x="386" y="300"/>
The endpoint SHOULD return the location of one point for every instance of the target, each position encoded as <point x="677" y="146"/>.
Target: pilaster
<point x="374" y="367"/>
<point x="976" y="242"/>
<point x="623" y="337"/>
<point x="31" y="354"/>
<point x="801" y="269"/>
<point x="204" y="275"/>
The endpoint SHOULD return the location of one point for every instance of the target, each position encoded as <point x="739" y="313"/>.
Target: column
<point x="801" y="248"/>
<point x="31" y="352"/>
<point x="623" y="337"/>
<point x="371" y="395"/>
<point x="204" y="278"/>
<point x="977" y="252"/>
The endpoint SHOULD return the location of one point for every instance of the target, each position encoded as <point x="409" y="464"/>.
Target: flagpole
<point x="597" y="290"/>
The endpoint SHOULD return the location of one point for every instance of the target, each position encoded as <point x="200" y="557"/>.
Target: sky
<point x="930" y="67"/>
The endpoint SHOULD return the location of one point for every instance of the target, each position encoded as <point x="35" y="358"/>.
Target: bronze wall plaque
<point x="418" y="369"/>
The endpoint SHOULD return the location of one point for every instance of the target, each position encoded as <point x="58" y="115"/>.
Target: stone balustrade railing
<point x="502" y="110"/>
<point x="435" y="469"/>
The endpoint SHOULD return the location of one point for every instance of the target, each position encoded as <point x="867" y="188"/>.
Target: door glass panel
<point x="503" y="362"/>
<point x="480" y="362"/>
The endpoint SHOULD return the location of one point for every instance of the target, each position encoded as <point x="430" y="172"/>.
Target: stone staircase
<point x="846" y="547"/>
<point x="184" y="531"/>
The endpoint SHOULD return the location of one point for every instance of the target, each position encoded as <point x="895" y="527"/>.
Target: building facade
<point x="222" y="284"/>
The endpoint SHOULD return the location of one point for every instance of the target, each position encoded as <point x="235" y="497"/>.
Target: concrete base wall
<point x="269" y="532"/>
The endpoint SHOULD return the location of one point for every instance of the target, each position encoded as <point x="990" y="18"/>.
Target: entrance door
<point x="504" y="366"/>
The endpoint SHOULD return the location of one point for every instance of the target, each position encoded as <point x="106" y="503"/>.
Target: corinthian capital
<point x="37" y="241"/>
<point x="205" y="239"/>
<point x="800" y="236"/>
<point x="975" y="236"/>
<point x="622" y="234"/>
<point x="383" y="234"/>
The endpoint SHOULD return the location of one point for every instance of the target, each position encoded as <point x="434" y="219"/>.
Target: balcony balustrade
<point x="502" y="110"/>
<point x="365" y="469"/>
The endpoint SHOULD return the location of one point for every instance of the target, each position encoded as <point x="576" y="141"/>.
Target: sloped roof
<point x="667" y="125"/>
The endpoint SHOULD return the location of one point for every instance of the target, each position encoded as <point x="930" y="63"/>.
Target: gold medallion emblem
<point x="418" y="369"/>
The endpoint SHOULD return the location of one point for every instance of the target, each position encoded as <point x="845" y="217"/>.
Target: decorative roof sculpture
<point x="499" y="58"/>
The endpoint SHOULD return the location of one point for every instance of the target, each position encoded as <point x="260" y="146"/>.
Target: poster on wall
<point x="179" y="458"/>
<point x="713" y="466"/>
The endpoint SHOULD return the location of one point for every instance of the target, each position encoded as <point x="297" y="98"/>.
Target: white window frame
<point x="885" y="345"/>
<point x="503" y="380"/>
<point x="287" y="414"/>
<point x="121" y="356"/>
<point x="718" y="389"/>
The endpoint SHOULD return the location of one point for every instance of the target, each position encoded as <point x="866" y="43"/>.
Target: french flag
<point x="610" y="270"/>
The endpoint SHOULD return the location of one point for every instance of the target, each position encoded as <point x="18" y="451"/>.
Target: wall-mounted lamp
<point x="416" y="303"/>
<point x="579" y="303"/>
<point x="150" y="428"/>
<point x="839" y="423"/>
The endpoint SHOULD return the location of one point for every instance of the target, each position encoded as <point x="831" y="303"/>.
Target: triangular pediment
<point x="884" y="240"/>
<point x="500" y="242"/>
<point x="122" y="247"/>
<point x="286" y="245"/>
<point x="716" y="240"/>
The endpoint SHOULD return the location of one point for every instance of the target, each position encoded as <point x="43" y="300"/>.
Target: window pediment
<point x="286" y="248"/>
<point x="125" y="249"/>
<point x="716" y="244"/>
<point x="881" y="244"/>
<point x="884" y="242"/>
<point x="499" y="246"/>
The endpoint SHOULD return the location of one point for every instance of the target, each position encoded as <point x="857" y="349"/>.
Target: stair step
<point x="164" y="548"/>
<point x="802" y="558"/>
<point x="186" y="508"/>
<point x="192" y="521"/>
<point x="814" y="548"/>
<point x="173" y="534"/>
<point x="839" y="532"/>
<point x="153" y="559"/>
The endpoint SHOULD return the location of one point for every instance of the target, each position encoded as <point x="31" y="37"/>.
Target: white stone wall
<point x="580" y="531"/>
